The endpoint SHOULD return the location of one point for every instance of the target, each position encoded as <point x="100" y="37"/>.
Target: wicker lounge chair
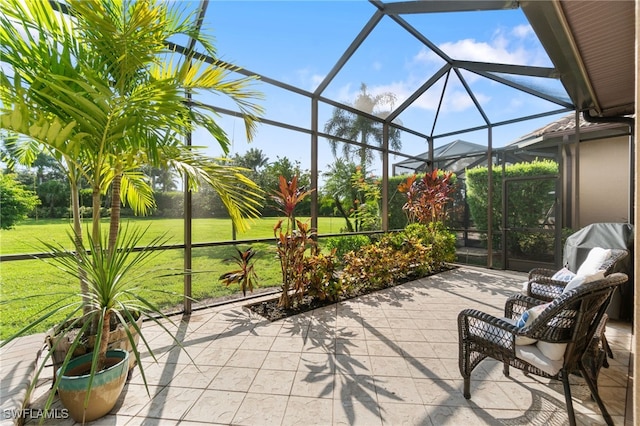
<point x="571" y="319"/>
<point x="541" y="285"/>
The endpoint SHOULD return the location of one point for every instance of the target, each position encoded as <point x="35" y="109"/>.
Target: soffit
<point x="591" y="44"/>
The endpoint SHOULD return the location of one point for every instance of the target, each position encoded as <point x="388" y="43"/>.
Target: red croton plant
<point x="293" y="239"/>
<point x="427" y="196"/>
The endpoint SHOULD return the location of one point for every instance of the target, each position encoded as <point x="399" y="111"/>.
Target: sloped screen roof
<point x="590" y="62"/>
<point x="453" y="79"/>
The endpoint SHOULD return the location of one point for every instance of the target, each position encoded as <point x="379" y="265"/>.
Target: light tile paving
<point x="388" y="358"/>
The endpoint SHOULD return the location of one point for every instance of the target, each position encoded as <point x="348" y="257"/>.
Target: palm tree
<point x="162" y="179"/>
<point x="338" y="185"/>
<point x="100" y="89"/>
<point x="355" y="127"/>
<point x="254" y="159"/>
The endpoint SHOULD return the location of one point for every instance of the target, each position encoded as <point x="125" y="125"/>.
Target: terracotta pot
<point x="105" y="390"/>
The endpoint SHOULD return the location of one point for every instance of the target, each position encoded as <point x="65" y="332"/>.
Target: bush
<point x="397" y="216"/>
<point x="16" y="201"/>
<point x="345" y="244"/>
<point x="322" y="278"/>
<point x="169" y="204"/>
<point x="415" y="252"/>
<point x="443" y="244"/>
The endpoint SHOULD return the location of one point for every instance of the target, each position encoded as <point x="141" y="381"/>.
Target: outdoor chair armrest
<point x="541" y="272"/>
<point x="517" y="303"/>
<point x="486" y="329"/>
<point x="545" y="288"/>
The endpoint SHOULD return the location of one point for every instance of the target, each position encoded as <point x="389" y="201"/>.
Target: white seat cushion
<point x="553" y="351"/>
<point x="535" y="357"/>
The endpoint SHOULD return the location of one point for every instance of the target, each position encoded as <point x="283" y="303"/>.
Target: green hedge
<point x="397" y="216"/>
<point x="529" y="200"/>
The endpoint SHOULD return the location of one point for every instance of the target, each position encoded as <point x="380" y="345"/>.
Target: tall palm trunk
<point x="104" y="341"/>
<point x="95" y="213"/>
<point x="114" y="222"/>
<point x="77" y="238"/>
<point x="343" y="213"/>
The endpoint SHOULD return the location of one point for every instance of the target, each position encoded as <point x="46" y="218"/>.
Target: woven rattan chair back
<point x="572" y="318"/>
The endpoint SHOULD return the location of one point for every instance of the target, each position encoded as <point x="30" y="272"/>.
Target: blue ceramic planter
<point x="105" y="390"/>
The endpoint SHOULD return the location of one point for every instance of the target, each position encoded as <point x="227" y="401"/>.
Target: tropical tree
<point x="254" y="159"/>
<point x="428" y="196"/>
<point x="104" y="91"/>
<point x="16" y="201"/>
<point x="54" y="194"/>
<point x="348" y="125"/>
<point x="355" y="195"/>
<point x="338" y="186"/>
<point x="367" y="211"/>
<point x="162" y="179"/>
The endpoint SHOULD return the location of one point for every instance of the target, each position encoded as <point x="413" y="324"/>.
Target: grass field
<point x="26" y="237"/>
<point x="21" y="281"/>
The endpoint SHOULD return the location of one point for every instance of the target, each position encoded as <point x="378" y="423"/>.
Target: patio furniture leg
<point x="505" y="369"/>
<point x="467" y="388"/>
<point x="595" y="395"/>
<point x="607" y="348"/>
<point x="567" y="397"/>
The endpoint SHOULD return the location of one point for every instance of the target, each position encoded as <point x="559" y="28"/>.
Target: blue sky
<point x="298" y="42"/>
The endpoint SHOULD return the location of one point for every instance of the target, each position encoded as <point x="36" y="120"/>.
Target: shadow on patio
<point x="390" y="357"/>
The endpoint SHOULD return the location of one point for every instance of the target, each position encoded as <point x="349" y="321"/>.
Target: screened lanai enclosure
<point x="393" y="88"/>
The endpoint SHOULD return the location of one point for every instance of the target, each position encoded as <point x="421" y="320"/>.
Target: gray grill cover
<point x="609" y="236"/>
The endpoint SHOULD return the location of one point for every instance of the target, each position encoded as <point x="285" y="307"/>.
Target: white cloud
<point x="497" y="51"/>
<point x="460" y="100"/>
<point x="516" y="45"/>
<point x="516" y="103"/>
<point x="307" y="79"/>
<point x="505" y="46"/>
<point x="316" y="79"/>
<point x="456" y="98"/>
<point x="346" y="94"/>
<point x="523" y="31"/>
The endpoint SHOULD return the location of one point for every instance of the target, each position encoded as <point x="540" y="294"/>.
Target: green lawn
<point x="21" y="280"/>
<point x="26" y="237"/>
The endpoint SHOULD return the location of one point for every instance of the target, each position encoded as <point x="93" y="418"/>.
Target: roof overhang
<point x="591" y="44"/>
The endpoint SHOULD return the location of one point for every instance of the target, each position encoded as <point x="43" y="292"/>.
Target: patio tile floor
<point x="388" y="358"/>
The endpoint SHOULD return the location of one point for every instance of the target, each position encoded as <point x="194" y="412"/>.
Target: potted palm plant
<point x="89" y="385"/>
<point x="104" y="91"/>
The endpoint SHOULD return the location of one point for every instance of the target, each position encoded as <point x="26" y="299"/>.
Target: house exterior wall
<point x="603" y="181"/>
<point x="636" y="342"/>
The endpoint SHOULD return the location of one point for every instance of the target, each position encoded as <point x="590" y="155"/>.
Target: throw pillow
<point x="525" y="320"/>
<point x="555" y="351"/>
<point x="563" y="274"/>
<point x="582" y="279"/>
<point x="593" y="263"/>
<point x="530" y="315"/>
